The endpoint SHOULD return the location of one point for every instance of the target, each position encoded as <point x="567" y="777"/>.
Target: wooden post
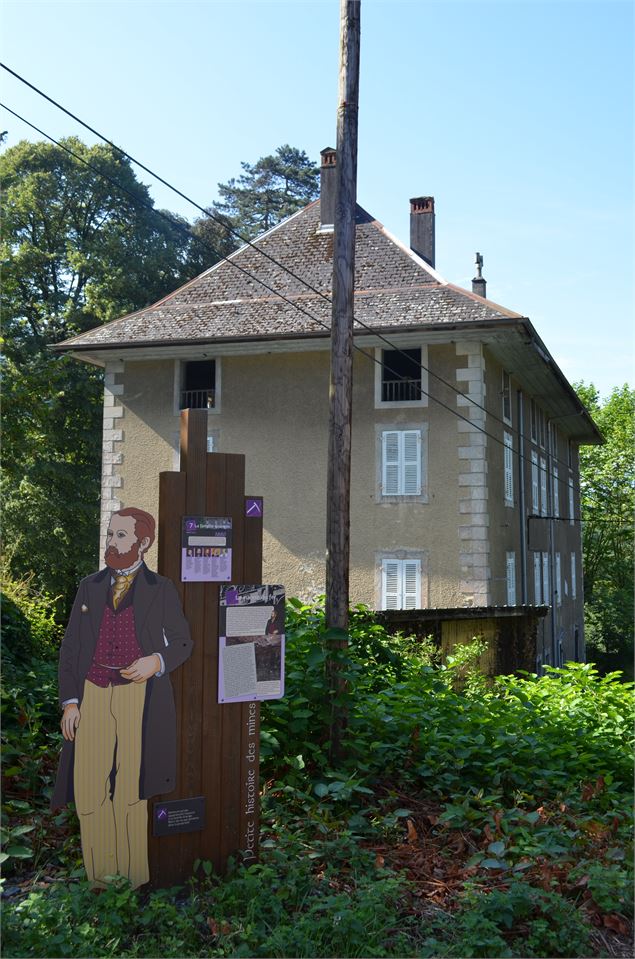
<point x="341" y="383"/>
<point x="216" y="743"/>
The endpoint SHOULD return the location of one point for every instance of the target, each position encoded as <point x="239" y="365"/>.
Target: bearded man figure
<point x="126" y="633"/>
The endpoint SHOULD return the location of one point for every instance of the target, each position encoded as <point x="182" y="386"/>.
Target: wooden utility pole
<point x="341" y="383"/>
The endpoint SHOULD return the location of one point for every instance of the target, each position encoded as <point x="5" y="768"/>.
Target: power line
<point x="221" y="256"/>
<point x="248" y="242"/>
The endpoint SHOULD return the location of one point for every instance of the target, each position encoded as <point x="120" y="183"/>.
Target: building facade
<point x="465" y="479"/>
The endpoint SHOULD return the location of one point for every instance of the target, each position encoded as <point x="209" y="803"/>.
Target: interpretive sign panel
<point x="178" y="815"/>
<point x="251" y="643"/>
<point x="206" y="549"/>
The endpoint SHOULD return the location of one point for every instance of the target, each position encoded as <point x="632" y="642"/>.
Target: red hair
<point x="144" y="524"/>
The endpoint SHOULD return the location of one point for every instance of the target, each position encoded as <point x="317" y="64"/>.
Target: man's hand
<point x="142" y="669"/>
<point x="70" y="721"/>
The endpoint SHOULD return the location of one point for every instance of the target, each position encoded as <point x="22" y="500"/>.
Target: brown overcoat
<point x="162" y="628"/>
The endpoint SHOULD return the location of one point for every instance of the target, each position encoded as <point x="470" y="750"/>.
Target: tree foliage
<point x="607" y="485"/>
<point x="77" y="251"/>
<point x="268" y="191"/>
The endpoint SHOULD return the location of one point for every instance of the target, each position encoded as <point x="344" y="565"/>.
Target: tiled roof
<point x="393" y="288"/>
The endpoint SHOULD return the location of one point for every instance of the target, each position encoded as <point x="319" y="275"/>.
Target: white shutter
<point x="570" y="501"/>
<point x="411" y="440"/>
<point x="411" y="570"/>
<point x="537" y="580"/>
<point x="558" y="580"/>
<point x="390" y="462"/>
<point x="543" y="486"/>
<point x="556" y="493"/>
<point x="401" y="462"/>
<point x="390" y="592"/>
<point x="509" y="470"/>
<point x="546" y="592"/>
<point x="535" y="488"/>
<point x="511" y="579"/>
<point x="574" y="584"/>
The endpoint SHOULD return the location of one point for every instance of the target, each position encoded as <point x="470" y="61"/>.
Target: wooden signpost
<point x="213" y="812"/>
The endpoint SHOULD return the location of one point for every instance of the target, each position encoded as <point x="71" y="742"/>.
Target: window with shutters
<point x="574" y="585"/>
<point x="511" y="579"/>
<point x="556" y="493"/>
<point x="506" y="393"/>
<point x="544" y="506"/>
<point x="400" y="583"/>
<point x="537" y="579"/>
<point x="546" y="590"/>
<point x="509" y="469"/>
<point x="401" y="458"/>
<point x="401" y="377"/>
<point x="558" y="583"/>
<point x="533" y="421"/>
<point x="571" y="507"/>
<point x="535" y="484"/>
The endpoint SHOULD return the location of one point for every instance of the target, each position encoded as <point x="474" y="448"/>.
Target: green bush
<point x="519" y="920"/>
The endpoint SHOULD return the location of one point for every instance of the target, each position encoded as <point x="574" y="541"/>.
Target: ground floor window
<point x="400" y="583"/>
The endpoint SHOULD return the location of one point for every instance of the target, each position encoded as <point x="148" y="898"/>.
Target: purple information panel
<point x="206" y="549"/>
<point x="251" y="643"/>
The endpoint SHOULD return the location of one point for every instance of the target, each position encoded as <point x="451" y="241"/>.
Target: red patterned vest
<point x="117" y="646"/>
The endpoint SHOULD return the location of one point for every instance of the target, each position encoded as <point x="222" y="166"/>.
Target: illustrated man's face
<point x="123" y="549"/>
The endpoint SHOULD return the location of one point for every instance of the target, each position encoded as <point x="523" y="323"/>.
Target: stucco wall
<point x="274" y="409"/>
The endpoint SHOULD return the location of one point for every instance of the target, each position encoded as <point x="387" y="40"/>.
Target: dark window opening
<point x="199" y="385"/>
<point x="400" y="376"/>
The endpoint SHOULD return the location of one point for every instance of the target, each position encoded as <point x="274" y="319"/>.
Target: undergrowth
<point x="467" y="818"/>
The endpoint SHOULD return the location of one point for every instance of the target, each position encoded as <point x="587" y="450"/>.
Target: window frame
<point x="538" y="578"/>
<point x="508" y="468"/>
<point x="179" y="379"/>
<point x="401" y="559"/>
<point x="401" y="404"/>
<point x="506" y="397"/>
<point x="510" y="577"/>
<point x="421" y="496"/>
<point x="535" y="483"/>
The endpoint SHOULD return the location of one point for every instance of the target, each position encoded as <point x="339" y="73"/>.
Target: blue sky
<point x="516" y="116"/>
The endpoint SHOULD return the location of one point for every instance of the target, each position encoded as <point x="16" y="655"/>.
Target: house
<point x="465" y="479"/>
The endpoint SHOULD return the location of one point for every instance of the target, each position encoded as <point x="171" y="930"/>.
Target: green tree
<point x="268" y="191"/>
<point x="77" y="251"/>
<point x="607" y="487"/>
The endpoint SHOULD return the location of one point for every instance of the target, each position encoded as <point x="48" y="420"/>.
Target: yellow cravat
<point x="121" y="587"/>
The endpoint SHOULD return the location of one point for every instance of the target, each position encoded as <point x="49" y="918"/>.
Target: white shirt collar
<point x="131" y="569"/>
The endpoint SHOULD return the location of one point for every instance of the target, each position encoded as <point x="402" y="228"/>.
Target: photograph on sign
<point x="206" y="549"/>
<point x="251" y="643"/>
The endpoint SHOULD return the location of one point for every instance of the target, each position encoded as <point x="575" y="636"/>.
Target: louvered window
<point x="571" y="520"/>
<point x="509" y="469"/>
<point x="558" y="580"/>
<point x="401" y="584"/>
<point x="556" y="492"/>
<point x="506" y="393"/>
<point x="511" y="579"/>
<point x="543" y="486"/>
<point x="537" y="579"/>
<point x="401" y="462"/>
<point x="574" y="585"/>
<point x="535" y="485"/>
<point x="546" y="592"/>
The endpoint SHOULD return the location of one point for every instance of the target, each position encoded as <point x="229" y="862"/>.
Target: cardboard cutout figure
<point x="125" y="634"/>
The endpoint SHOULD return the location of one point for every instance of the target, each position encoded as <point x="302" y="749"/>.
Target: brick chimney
<point x="328" y="180"/>
<point x="479" y="284"/>
<point x="422" y="227"/>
